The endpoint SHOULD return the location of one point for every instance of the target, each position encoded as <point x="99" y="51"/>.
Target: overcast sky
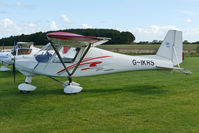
<point x="147" y="19"/>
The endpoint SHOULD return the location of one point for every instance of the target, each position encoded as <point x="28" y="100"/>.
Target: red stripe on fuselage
<point x="94" y="64"/>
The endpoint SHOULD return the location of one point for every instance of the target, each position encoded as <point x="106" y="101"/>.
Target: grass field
<point x="146" y="46"/>
<point x="138" y="101"/>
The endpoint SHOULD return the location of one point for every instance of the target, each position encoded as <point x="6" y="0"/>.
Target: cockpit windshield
<point x="67" y="54"/>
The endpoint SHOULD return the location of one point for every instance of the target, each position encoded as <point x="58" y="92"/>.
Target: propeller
<point x="13" y="66"/>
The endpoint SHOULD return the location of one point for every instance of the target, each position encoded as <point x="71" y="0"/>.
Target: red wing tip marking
<point x="71" y="36"/>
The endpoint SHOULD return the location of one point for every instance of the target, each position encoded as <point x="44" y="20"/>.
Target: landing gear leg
<point x="26" y="87"/>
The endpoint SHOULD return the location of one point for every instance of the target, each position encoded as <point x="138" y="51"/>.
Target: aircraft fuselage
<point x="96" y="62"/>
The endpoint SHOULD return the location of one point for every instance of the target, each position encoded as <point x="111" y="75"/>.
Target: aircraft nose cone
<point x="25" y="64"/>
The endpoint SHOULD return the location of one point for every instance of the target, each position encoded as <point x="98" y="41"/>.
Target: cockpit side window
<point x="68" y="54"/>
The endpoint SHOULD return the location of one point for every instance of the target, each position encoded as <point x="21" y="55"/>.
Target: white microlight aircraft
<point x="5" y="58"/>
<point x="20" y="49"/>
<point x="76" y="55"/>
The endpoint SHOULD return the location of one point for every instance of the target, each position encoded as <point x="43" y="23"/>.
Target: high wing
<point x="75" y="40"/>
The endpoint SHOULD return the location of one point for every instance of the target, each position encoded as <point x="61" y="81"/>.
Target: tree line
<point x="40" y="38"/>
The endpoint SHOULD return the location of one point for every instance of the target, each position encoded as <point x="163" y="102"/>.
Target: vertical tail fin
<point x="171" y="47"/>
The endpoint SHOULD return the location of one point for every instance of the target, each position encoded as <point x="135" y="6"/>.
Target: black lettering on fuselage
<point x="148" y="63"/>
<point x="143" y="62"/>
<point x="134" y="62"/>
<point x="152" y="63"/>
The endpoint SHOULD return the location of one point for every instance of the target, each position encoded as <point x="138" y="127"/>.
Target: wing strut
<point x="84" y="54"/>
<point x="59" y="56"/>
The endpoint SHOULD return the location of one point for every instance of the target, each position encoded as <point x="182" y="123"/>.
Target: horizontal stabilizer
<point x="167" y="67"/>
<point x="177" y="69"/>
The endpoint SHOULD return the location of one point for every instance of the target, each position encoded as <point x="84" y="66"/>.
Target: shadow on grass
<point x="48" y="92"/>
<point x="39" y="92"/>
<point x="139" y="89"/>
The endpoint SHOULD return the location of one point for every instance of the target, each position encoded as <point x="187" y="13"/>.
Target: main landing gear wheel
<point x="72" y="89"/>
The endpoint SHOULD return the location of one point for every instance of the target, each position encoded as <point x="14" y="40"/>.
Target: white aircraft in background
<point x="5" y="55"/>
<point x="21" y="48"/>
<point x="76" y="55"/>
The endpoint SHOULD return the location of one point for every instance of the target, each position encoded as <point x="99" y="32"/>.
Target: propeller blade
<point x="13" y="66"/>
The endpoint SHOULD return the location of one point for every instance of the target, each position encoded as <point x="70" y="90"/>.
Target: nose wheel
<point x="26" y="87"/>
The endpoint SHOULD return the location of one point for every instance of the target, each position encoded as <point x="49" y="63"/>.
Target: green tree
<point x="40" y="38"/>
